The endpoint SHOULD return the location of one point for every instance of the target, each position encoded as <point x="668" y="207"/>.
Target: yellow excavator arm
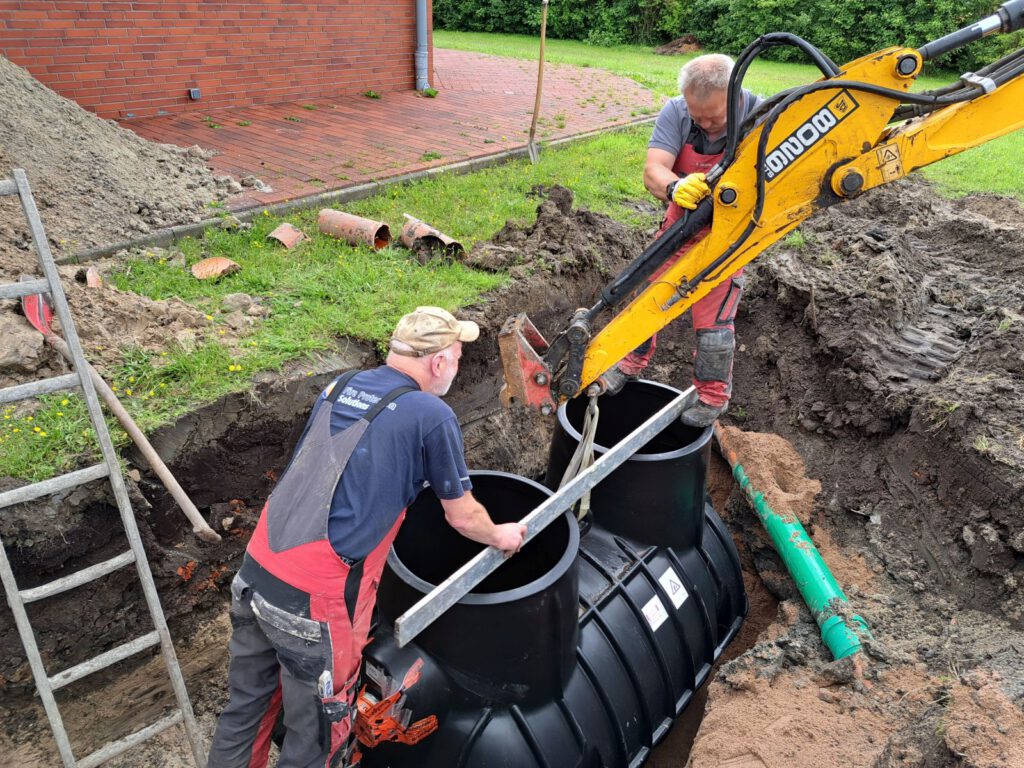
<point x="807" y="148"/>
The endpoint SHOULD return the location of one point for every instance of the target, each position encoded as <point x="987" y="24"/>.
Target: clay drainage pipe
<point x="813" y="578"/>
<point x="354" y="230"/>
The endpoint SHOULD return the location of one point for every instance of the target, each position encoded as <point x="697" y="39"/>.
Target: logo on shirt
<point x="810" y="133"/>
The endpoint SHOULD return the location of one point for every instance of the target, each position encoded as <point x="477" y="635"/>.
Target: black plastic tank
<point x="580" y="651"/>
<point x="657" y="495"/>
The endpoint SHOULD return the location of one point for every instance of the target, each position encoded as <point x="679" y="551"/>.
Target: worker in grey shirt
<point x="689" y="139"/>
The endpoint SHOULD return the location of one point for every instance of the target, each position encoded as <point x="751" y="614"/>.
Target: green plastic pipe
<point x="840" y="629"/>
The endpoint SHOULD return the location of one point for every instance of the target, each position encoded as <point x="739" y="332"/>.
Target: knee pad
<point x="713" y="359"/>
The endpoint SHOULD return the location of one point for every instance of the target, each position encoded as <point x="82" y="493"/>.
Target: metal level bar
<point x="53" y="485"/>
<point x="460" y="583"/>
<point x="83" y="576"/>
<point x="104" y="660"/>
<point x="115" y="748"/>
<point x="24" y="288"/>
<point x="36" y="388"/>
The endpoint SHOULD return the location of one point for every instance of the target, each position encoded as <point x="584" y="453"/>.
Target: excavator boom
<point x="811" y="147"/>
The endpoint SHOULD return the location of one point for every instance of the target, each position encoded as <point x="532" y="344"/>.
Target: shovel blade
<point x="37" y="310"/>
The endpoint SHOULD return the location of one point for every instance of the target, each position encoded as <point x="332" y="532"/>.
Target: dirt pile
<point x="94" y="182"/>
<point x="897" y="325"/>
<point x="559" y="263"/>
<point x="562" y="242"/>
<point x="681" y="45"/>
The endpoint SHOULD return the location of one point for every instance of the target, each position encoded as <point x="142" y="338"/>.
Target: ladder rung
<point x="8" y="187"/>
<point x="97" y="663"/>
<point x="83" y="576"/>
<point x="54" y="484"/>
<point x="24" y="288"/>
<point x="115" y="748"/>
<point x="41" y="387"/>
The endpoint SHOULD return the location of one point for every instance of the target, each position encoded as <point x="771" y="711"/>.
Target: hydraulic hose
<point x="840" y="629"/>
<point x="1009" y="18"/>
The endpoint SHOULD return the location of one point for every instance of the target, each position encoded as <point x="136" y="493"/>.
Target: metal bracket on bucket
<point x="527" y="376"/>
<point x="458" y="585"/>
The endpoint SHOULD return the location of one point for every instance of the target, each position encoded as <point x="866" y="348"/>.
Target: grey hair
<point x="705" y="75"/>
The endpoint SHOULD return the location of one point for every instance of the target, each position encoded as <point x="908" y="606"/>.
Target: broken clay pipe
<point x="354" y="230"/>
<point x="426" y="241"/>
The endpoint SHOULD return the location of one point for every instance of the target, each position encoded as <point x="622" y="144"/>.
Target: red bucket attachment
<point x="527" y="376"/>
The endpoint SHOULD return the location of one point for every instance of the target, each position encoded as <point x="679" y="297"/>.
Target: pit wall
<point x="138" y="59"/>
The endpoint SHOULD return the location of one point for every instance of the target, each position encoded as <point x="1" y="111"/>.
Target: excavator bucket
<point x="527" y="376"/>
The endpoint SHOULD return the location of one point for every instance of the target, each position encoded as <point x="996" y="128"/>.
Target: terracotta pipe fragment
<point x="288" y="235"/>
<point x="429" y="243"/>
<point x="354" y="230"/>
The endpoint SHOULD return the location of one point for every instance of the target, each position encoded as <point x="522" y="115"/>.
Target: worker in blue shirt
<point x="302" y="601"/>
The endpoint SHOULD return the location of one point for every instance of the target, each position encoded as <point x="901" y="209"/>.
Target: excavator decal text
<point x="809" y="134"/>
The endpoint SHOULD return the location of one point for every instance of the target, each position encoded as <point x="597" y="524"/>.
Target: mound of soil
<point x="681" y="45"/>
<point x="94" y="182"/>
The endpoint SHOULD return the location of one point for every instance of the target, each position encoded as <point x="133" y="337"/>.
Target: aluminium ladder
<point x="111" y="469"/>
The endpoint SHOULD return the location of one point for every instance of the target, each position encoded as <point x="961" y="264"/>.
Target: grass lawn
<point x="326" y="289"/>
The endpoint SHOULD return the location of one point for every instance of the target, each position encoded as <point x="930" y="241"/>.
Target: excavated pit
<point x="879" y="376"/>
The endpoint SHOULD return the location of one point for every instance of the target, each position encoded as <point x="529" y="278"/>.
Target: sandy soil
<point x="878" y="384"/>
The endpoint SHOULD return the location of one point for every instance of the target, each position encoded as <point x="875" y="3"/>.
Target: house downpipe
<point x="422" y="59"/>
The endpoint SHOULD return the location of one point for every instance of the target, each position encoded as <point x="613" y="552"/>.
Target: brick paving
<point x="483" y="107"/>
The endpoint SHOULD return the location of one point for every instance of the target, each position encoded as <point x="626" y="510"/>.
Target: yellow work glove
<point x="688" y="191"/>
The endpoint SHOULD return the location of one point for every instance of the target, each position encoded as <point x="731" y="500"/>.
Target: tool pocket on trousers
<point x="731" y="302"/>
<point x="335" y="720"/>
<point x="296" y="639"/>
<point x="241" y="613"/>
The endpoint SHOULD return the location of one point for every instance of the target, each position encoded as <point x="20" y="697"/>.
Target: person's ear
<point x="437" y="361"/>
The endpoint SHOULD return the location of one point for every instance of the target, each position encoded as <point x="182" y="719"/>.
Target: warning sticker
<point x="673" y="586"/>
<point x="655" y="612"/>
<point x="889" y="162"/>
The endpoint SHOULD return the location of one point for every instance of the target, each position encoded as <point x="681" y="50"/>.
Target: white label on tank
<point x="655" y="612"/>
<point x="673" y="586"/>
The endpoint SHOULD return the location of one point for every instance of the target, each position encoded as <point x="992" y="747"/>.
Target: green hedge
<point x="844" y="29"/>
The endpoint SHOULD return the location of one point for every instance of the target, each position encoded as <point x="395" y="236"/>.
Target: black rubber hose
<point x="656" y="254"/>
<point x="773" y="40"/>
<point x="1009" y="18"/>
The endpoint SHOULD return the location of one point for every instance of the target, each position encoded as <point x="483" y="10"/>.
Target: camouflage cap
<point x="430" y="329"/>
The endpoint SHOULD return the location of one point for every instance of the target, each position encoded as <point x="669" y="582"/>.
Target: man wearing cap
<point x="302" y="600"/>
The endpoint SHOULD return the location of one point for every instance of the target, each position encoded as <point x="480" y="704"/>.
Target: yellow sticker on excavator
<point x="813" y="130"/>
<point x="890" y="162"/>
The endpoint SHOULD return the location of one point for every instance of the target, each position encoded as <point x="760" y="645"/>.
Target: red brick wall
<point x="136" y="59"/>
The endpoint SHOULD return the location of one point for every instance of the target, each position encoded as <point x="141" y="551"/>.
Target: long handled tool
<point x="39" y="314"/>
<point x="531" y="146"/>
